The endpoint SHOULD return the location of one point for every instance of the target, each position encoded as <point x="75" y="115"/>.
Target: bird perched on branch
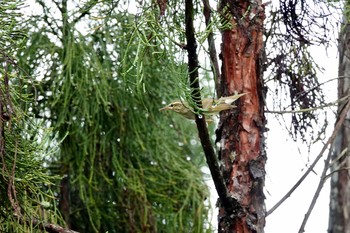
<point x="210" y="106"/>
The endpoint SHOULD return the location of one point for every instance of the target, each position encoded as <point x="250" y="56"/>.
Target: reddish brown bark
<point x="242" y="151"/>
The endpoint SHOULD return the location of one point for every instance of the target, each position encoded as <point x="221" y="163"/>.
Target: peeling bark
<point x="240" y="132"/>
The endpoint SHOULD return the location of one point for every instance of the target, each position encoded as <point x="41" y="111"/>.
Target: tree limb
<point x="230" y="204"/>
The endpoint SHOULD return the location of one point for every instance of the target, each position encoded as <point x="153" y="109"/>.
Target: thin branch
<point x="341" y="155"/>
<point x="325" y="82"/>
<point x="46" y="19"/>
<point x="317" y="193"/>
<point x="333" y="103"/>
<point x="171" y="38"/>
<point x="48" y="227"/>
<point x="85" y="10"/>
<point x="2" y="127"/>
<point x="11" y="188"/>
<point x="57" y="3"/>
<point x="230" y="204"/>
<point x="324" y="148"/>
<point x="325" y="169"/>
<point x="338" y="168"/>
<point x="207" y="11"/>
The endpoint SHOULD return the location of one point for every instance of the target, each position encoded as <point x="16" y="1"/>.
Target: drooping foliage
<point x="25" y="185"/>
<point x="293" y="30"/>
<point x="101" y="75"/>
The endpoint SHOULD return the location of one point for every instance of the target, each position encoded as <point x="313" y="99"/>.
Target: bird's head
<point x="176" y="107"/>
<point x="181" y="108"/>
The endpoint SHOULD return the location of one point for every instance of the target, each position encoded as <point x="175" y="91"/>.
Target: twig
<point x="85" y="10"/>
<point x="11" y="188"/>
<point x="48" y="227"/>
<point x="211" y="46"/>
<point x="2" y="127"/>
<point x="324" y="148"/>
<point x="336" y="170"/>
<point x="340" y="156"/>
<point x="311" y="109"/>
<point x="46" y="19"/>
<point x="317" y="193"/>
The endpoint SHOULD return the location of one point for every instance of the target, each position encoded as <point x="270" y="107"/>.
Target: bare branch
<point x="211" y="46"/>
<point x="325" y="168"/>
<point x="338" y="168"/>
<point x="230" y="204"/>
<point x="324" y="148"/>
<point x="333" y="103"/>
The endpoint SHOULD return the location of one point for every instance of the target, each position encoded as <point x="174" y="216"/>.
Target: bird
<point x="210" y="107"/>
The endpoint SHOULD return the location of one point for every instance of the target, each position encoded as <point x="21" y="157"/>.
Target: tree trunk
<point x="339" y="208"/>
<point x="240" y="132"/>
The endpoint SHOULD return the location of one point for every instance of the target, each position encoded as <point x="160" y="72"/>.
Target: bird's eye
<point x="171" y="105"/>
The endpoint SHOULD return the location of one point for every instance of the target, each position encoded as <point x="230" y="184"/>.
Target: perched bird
<point x="210" y="106"/>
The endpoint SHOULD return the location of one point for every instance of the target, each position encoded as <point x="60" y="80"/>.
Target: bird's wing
<point x="220" y="107"/>
<point x="208" y="102"/>
<point x="230" y="99"/>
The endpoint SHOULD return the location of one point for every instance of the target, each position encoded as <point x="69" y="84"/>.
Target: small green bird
<point x="210" y="106"/>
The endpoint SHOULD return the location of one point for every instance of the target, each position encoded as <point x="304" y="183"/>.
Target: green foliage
<point x="11" y="35"/>
<point x="25" y="185"/>
<point x="127" y="167"/>
<point x="24" y="181"/>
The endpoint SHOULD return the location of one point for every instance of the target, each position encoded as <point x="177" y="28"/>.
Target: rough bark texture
<point x="240" y="132"/>
<point x="339" y="208"/>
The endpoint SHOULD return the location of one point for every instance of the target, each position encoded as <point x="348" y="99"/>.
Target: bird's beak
<point x="165" y="108"/>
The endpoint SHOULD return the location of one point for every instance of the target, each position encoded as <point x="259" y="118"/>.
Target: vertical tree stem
<point x="200" y="121"/>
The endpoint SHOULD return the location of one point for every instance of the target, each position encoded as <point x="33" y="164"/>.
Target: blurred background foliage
<point x="98" y="76"/>
<point x="81" y="87"/>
